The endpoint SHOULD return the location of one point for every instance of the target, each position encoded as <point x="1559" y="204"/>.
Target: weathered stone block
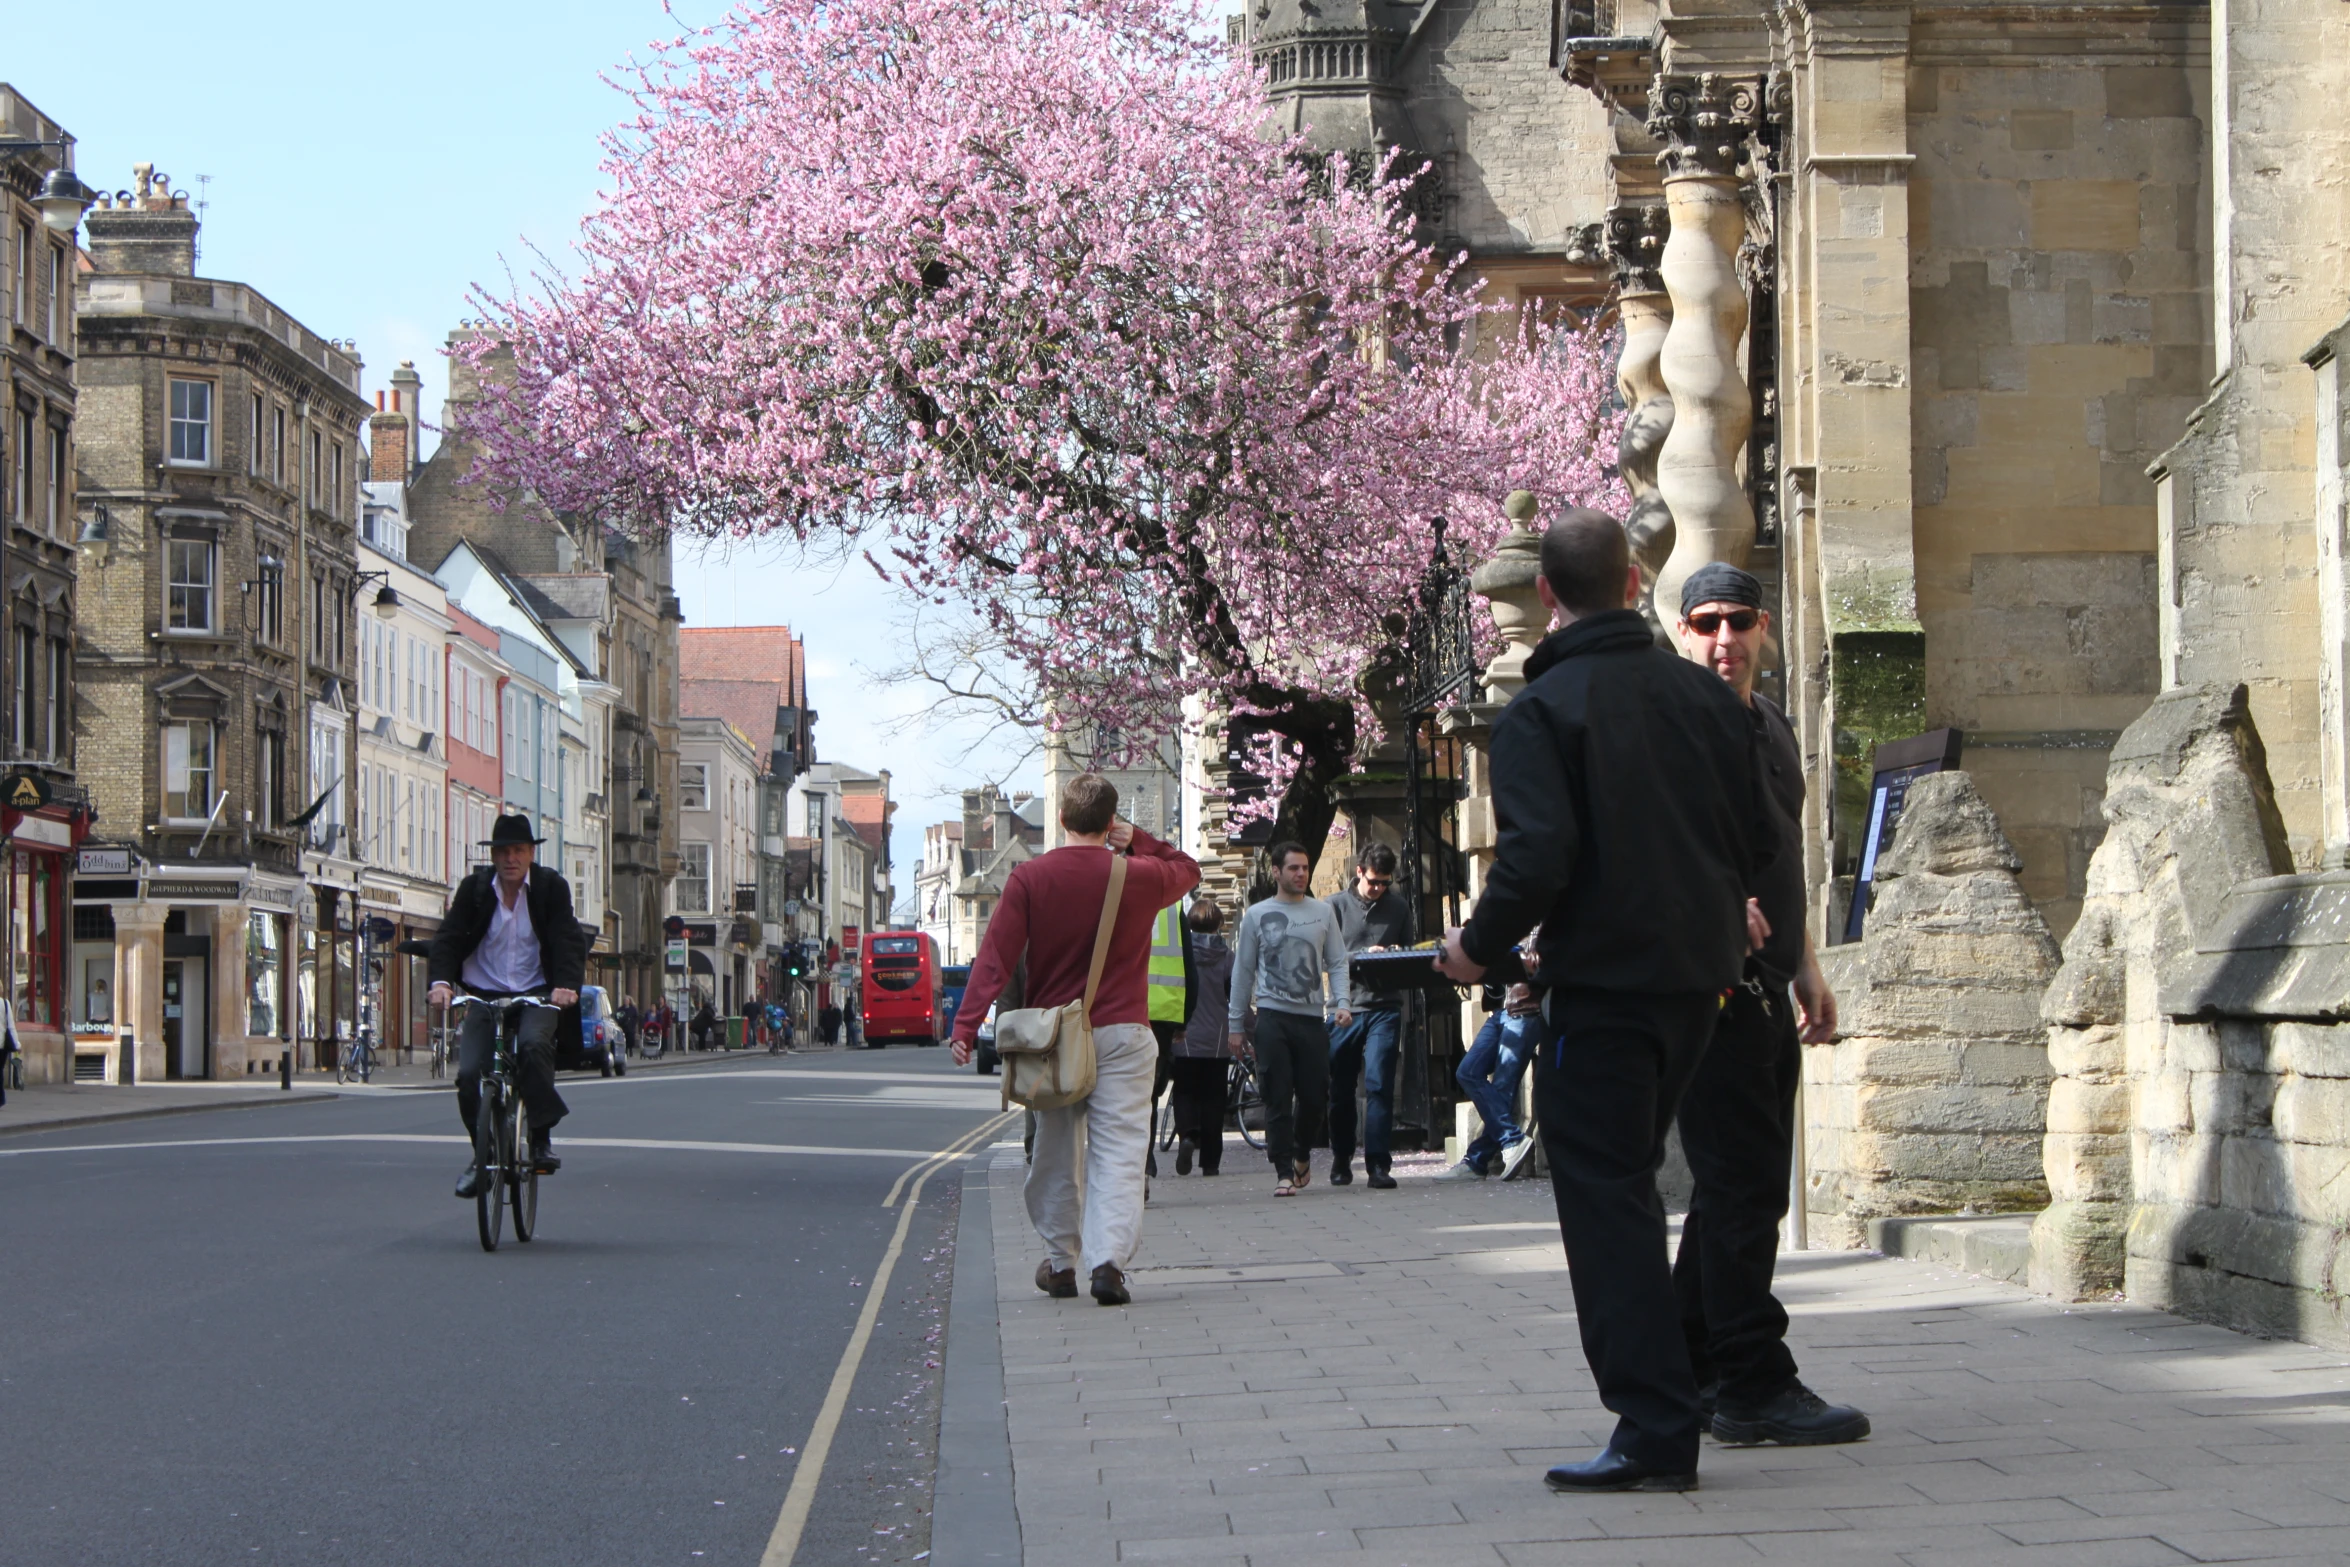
<point x="2075" y="1106"/>
<point x="2312" y="1110"/>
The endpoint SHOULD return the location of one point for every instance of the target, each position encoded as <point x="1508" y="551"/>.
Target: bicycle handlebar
<point x="462" y="999"/>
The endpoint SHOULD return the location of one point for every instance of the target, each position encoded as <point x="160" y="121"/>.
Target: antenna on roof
<point x="203" y="203"/>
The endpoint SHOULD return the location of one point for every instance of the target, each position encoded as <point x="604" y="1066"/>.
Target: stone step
<point x="1994" y="1245"/>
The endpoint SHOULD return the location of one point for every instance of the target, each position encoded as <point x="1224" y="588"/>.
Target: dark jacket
<point x="1780" y="890"/>
<point x="562" y="945"/>
<point x="1211" y="967"/>
<point x="1632" y="815"/>
<point x="1386" y="923"/>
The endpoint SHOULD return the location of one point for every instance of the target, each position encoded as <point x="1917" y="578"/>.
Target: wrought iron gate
<point x="1440" y="673"/>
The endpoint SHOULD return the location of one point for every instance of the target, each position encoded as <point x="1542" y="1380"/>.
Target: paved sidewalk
<point x="1385" y="1375"/>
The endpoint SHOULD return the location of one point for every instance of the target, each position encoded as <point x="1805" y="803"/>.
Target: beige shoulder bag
<point x="1048" y="1051"/>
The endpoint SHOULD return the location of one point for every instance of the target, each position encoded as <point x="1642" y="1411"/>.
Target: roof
<point x="869" y="814"/>
<point x="749" y="705"/>
<point x="769" y="655"/>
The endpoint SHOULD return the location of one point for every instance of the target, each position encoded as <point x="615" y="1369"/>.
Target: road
<point x="272" y="1336"/>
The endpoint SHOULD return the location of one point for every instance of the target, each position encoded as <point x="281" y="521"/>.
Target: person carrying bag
<point x="1048" y="1058"/>
<point x="1081" y="1055"/>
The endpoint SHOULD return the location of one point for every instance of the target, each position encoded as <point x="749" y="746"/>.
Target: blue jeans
<point x="1489" y="1075"/>
<point x="1365" y="1048"/>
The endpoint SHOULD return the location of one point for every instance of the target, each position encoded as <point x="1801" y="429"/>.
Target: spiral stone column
<point x="1703" y="122"/>
<point x="1635" y="245"/>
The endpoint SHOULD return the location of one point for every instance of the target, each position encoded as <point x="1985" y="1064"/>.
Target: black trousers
<point x="1293" y="1071"/>
<point x="1202" y="1086"/>
<point x="1609" y="1075"/>
<point x="1738" y="1129"/>
<point x="534" y="1065"/>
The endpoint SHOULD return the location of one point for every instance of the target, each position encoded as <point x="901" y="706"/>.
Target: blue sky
<point x="368" y="165"/>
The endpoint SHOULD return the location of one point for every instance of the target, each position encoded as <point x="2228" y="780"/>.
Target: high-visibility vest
<point x="1169" y="990"/>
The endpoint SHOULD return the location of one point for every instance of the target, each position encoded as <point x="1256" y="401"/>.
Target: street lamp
<point x="387" y="598"/>
<point x="63" y="198"/>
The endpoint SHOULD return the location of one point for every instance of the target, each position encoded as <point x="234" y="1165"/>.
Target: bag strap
<point x="1101" y="934"/>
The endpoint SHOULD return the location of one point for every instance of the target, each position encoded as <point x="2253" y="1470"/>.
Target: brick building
<point x="218" y="655"/>
<point x="39" y="524"/>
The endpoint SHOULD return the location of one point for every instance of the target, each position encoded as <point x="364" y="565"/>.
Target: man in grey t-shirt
<point x="1289" y="945"/>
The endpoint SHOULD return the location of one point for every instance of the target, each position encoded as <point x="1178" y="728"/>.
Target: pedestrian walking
<point x="1489" y="1076"/>
<point x="1085" y="1177"/>
<point x="828" y="1024"/>
<point x="1371" y="918"/>
<point x="1289" y="948"/>
<point x="1201" y="1070"/>
<point x="1170" y="1004"/>
<point x="705" y="1022"/>
<point x="1632" y="826"/>
<point x="1738" y="1124"/>
<point x="631" y="1025"/>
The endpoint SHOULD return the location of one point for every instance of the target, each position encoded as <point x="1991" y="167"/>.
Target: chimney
<point x="392" y="433"/>
<point x="154" y="232"/>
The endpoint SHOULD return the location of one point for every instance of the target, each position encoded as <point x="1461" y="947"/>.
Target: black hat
<point x="1719" y="582"/>
<point x="511" y="829"/>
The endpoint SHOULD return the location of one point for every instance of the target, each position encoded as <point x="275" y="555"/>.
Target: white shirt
<point x="507" y="961"/>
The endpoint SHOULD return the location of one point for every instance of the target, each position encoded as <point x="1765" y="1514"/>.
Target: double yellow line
<point x="784" y="1544"/>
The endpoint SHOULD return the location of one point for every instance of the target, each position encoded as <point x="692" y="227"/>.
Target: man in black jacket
<point x="1632" y="825"/>
<point x="1738" y="1117"/>
<point x="510" y="931"/>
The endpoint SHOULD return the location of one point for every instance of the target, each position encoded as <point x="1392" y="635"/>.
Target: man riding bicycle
<point x="510" y="931"/>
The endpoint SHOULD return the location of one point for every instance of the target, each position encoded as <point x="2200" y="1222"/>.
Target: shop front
<point x="40" y="834"/>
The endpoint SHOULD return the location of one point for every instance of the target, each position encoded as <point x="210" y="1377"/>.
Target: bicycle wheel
<point x="489" y="1204"/>
<point x="526" y="1175"/>
<point x="1248" y="1106"/>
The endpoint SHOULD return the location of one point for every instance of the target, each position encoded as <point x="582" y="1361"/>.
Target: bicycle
<point x="1245" y="1099"/>
<point x="357" y="1060"/>
<point x="501" y="1130"/>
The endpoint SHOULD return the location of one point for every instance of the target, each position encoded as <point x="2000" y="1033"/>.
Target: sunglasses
<point x="1705" y="624"/>
<point x="1378" y="881"/>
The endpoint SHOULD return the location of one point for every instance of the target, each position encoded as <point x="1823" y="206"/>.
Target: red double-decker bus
<point x="902" y="998"/>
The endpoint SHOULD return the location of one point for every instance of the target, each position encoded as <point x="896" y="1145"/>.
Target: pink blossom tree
<point x="1020" y="298"/>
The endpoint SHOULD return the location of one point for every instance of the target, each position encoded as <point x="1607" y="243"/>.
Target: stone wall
<point x="2199" y="1130"/>
<point x="1932" y="1098"/>
<point x="2061" y="337"/>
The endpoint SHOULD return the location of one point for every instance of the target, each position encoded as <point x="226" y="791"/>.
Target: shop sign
<point x="676" y="957"/>
<point x="24" y="791"/>
<point x="275" y="897"/>
<point x="103" y="862"/>
<point x="39" y="829"/>
<point x="195" y="891"/>
<point x="702" y="933"/>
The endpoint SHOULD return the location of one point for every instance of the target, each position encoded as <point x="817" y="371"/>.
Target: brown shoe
<point x="1109" y="1286"/>
<point x="1060" y="1285"/>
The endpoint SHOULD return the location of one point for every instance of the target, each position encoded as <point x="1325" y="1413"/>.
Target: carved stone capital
<point x="1704" y="122"/>
<point x="1636" y="234"/>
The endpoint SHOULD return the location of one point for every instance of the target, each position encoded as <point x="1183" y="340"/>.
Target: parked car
<point x="602" y="1044"/>
<point x="984" y="1057"/>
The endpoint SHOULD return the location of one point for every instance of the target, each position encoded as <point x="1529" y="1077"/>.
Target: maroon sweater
<point x="1050" y="908"/>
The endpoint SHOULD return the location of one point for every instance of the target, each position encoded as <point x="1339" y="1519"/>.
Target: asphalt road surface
<point x="272" y="1335"/>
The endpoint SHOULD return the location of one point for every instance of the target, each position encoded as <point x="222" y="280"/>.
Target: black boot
<point x="542" y="1154"/>
<point x="1797" y="1417"/>
<point x="470" y="1184"/>
<point x="1376" y="1177"/>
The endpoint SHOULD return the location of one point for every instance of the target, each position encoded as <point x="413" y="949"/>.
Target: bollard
<point x="285" y="1069"/>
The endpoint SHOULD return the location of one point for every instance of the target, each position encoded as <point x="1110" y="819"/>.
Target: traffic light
<point x="795" y="961"/>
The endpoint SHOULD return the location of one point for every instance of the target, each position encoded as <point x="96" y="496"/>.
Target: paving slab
<point x="1379" y="1378"/>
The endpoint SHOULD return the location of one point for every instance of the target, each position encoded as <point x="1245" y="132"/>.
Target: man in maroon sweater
<point x="1050" y="909"/>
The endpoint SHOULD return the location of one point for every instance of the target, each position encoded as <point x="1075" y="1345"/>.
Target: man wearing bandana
<point x="1738" y="1117"/>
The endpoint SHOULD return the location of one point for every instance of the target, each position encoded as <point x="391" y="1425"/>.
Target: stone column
<point x="1507" y="583"/>
<point x="228" y="990"/>
<point x="1703" y="121"/>
<point x="2333" y="585"/>
<point x="138" y="984"/>
<point x="1635" y="246"/>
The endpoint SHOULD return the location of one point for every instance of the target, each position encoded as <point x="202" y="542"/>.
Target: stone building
<point x="219" y="445"/>
<point x="966" y="863"/>
<point x="716" y="889"/>
<point x="756" y="679"/>
<point x="39" y="525"/>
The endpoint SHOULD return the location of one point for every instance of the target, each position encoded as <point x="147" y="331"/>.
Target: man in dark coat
<point x="1632" y="825"/>
<point x="1738" y="1118"/>
<point x="511" y="931"/>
